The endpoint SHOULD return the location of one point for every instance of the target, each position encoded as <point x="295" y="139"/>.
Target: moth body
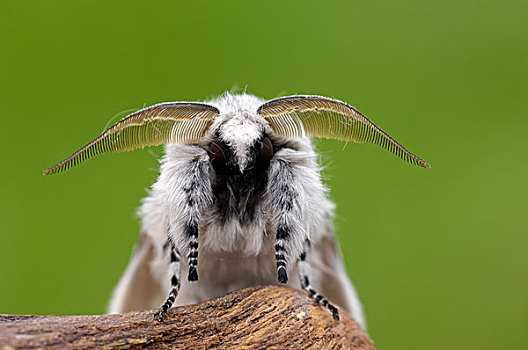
<point x="239" y="200"/>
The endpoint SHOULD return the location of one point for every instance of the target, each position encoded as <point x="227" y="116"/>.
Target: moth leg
<point x="280" y="253"/>
<point x="175" y="280"/>
<point x="305" y="282"/>
<point x="293" y="183"/>
<point x="284" y="195"/>
<point x="198" y="194"/>
<point x="187" y="189"/>
<point x="192" y="259"/>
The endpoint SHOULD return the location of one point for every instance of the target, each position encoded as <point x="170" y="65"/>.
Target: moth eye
<point x="217" y="154"/>
<point x="266" y="153"/>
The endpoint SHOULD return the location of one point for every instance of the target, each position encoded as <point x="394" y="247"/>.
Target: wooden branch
<point x="255" y="318"/>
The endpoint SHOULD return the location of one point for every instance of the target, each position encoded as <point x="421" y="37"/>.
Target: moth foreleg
<point x="190" y="194"/>
<point x="284" y="192"/>
<point x="305" y="282"/>
<point x="280" y="253"/>
<point x="174" y="268"/>
<point x="192" y="259"/>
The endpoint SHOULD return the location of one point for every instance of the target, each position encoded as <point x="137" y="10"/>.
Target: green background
<point x="439" y="256"/>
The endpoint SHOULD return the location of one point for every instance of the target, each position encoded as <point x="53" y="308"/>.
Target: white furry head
<point x="238" y="125"/>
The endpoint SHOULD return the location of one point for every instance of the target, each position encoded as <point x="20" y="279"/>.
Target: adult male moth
<point x="240" y="184"/>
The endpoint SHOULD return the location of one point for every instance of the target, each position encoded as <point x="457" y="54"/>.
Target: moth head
<point x="240" y="132"/>
<point x="238" y="125"/>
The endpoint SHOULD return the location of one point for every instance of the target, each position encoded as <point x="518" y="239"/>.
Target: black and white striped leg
<point x="280" y="252"/>
<point x="192" y="258"/>
<point x="305" y="282"/>
<point x="175" y="282"/>
<point x="284" y="188"/>
<point x="198" y="193"/>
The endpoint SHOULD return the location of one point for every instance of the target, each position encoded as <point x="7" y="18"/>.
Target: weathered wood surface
<point x="255" y="318"/>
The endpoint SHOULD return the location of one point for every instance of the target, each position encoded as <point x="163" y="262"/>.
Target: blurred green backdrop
<point x="439" y="256"/>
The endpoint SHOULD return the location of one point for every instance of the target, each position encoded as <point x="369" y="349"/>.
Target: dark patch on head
<point x="218" y="155"/>
<point x="237" y="194"/>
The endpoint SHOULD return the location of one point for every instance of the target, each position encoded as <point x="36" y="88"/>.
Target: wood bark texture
<point x="270" y="317"/>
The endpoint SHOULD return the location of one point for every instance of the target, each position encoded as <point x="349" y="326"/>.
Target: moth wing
<point x="139" y="288"/>
<point x="334" y="282"/>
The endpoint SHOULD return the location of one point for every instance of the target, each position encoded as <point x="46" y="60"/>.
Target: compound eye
<point x="217" y="154"/>
<point x="266" y="153"/>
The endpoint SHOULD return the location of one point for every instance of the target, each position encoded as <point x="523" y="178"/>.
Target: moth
<point x="239" y="199"/>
